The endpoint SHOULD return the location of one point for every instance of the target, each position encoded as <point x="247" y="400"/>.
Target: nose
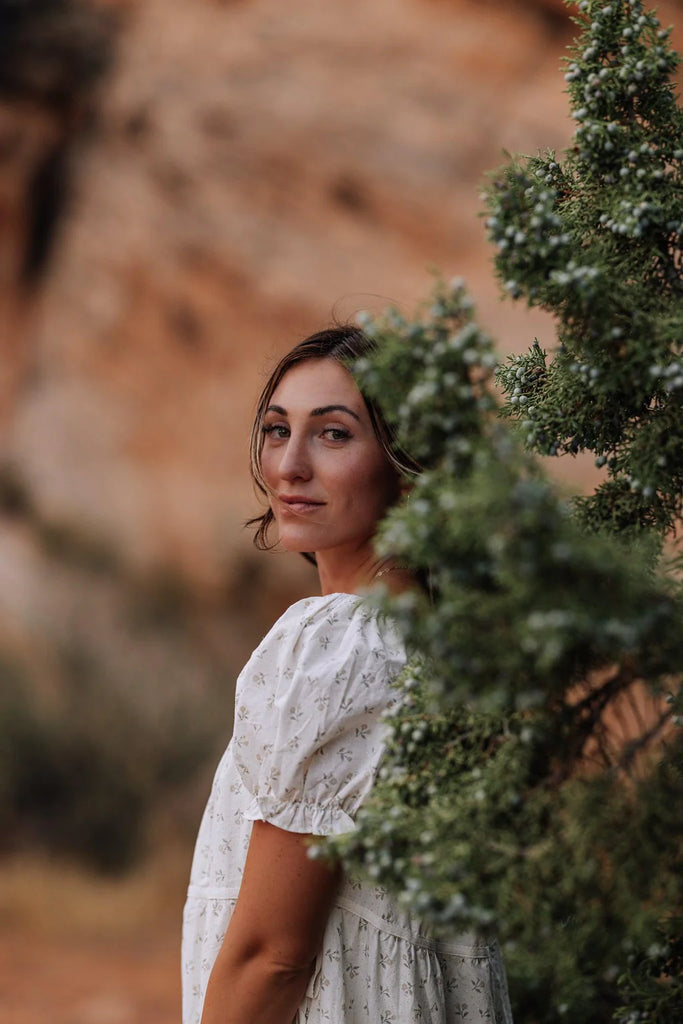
<point x="295" y="463"/>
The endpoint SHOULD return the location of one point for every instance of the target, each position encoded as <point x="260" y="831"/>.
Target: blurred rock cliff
<point x="186" y="189"/>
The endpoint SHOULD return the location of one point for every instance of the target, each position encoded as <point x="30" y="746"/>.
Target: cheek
<point x="376" y="487"/>
<point x="268" y="468"/>
<point x="389" y="491"/>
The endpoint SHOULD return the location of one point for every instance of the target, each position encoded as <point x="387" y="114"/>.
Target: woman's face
<point x="329" y="480"/>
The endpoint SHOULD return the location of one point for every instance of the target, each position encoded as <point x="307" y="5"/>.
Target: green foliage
<point x="463" y="828"/>
<point x="652" y="988"/>
<point x="66" y="786"/>
<point x="595" y="238"/>
<point x="533" y="776"/>
<point x="506" y="560"/>
<point x="441" y="409"/>
<point x="507" y="796"/>
<point x="80" y="775"/>
<point x="504" y="556"/>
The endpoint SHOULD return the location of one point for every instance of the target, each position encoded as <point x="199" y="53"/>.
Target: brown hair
<point x="345" y="344"/>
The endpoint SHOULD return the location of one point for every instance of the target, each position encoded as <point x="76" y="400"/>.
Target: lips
<point x="299" y="503"/>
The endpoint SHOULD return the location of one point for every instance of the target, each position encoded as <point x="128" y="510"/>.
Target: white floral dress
<point x="306" y="746"/>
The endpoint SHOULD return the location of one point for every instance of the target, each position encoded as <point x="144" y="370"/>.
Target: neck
<point x="353" y="572"/>
<point x="346" y="572"/>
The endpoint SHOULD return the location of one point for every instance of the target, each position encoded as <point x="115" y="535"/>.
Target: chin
<point x="297" y="545"/>
<point x="295" y="549"/>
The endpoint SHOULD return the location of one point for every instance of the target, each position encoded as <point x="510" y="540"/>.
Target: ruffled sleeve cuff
<point x="300" y="816"/>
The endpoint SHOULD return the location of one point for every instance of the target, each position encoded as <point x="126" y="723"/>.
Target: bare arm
<point x="275" y="933"/>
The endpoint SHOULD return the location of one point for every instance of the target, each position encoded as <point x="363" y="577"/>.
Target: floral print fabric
<point x="306" y="746"/>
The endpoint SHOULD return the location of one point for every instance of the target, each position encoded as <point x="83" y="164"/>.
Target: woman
<point x="271" y="936"/>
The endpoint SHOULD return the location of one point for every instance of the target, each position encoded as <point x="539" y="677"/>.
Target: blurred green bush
<point x="85" y="774"/>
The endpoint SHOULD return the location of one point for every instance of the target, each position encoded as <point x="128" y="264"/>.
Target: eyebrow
<point x="322" y="410"/>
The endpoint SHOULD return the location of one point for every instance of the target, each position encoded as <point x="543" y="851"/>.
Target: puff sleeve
<point x="308" y="733"/>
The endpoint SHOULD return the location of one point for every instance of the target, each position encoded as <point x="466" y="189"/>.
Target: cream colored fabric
<point x="306" y="746"/>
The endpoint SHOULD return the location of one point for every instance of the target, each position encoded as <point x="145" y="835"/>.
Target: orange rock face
<point x="256" y="169"/>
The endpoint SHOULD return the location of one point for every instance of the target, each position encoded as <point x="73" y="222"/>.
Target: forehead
<point x="317" y="383"/>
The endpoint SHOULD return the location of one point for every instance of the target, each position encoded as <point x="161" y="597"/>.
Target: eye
<point x="278" y="431"/>
<point x="336" y="433"/>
